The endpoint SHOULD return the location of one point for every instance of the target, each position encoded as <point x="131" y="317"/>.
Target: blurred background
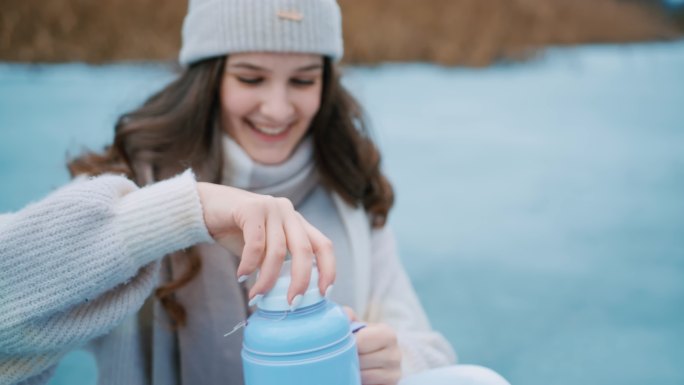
<point x="536" y="146"/>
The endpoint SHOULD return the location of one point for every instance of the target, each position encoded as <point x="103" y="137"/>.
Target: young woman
<point x="255" y="150"/>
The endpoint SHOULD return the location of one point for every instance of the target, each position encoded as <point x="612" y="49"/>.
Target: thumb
<point x="350" y="313"/>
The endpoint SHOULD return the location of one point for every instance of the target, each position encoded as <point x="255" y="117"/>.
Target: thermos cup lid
<point x="276" y="298"/>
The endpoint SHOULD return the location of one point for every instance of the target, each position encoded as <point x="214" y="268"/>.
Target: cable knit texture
<point x="76" y="264"/>
<point x="216" y="28"/>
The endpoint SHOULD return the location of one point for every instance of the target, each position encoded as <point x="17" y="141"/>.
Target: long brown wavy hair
<point x="176" y="129"/>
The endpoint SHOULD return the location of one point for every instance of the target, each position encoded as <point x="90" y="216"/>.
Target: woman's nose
<point x="277" y="105"/>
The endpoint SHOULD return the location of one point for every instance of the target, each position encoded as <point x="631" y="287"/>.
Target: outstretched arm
<point x="74" y="265"/>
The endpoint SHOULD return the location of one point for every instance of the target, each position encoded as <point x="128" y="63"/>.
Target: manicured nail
<point x="256" y="299"/>
<point x="295" y="302"/>
<point x="242" y="278"/>
<point x="328" y="291"/>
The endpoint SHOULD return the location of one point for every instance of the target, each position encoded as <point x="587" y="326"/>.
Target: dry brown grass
<point x="477" y="32"/>
<point x="464" y="32"/>
<point x="90" y="30"/>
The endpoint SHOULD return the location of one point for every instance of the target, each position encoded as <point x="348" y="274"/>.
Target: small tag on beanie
<point x="290" y="15"/>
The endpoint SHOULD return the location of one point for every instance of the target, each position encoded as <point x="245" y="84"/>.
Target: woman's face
<point x="268" y="101"/>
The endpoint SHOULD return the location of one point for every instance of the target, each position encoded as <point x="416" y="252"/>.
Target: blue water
<point x="540" y="206"/>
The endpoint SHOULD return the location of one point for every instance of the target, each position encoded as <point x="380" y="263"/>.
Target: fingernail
<point x="256" y="299"/>
<point x="295" y="302"/>
<point x="242" y="278"/>
<point x="328" y="291"/>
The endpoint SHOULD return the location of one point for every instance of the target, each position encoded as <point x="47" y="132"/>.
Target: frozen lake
<point x="540" y="205"/>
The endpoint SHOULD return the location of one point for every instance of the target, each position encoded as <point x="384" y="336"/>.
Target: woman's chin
<point x="270" y="158"/>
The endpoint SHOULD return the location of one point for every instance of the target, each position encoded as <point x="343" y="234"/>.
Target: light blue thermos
<point x="310" y="345"/>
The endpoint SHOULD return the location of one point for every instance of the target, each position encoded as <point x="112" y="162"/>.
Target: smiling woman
<point x="254" y="154"/>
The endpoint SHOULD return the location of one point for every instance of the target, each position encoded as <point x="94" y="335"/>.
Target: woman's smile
<point x="270" y="132"/>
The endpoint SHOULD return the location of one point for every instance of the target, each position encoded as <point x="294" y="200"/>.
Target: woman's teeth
<point x="271" y="130"/>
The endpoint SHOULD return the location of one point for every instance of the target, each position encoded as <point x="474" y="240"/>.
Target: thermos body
<point x="306" y="342"/>
<point x="312" y="345"/>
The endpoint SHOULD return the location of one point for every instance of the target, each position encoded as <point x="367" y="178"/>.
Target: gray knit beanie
<point x="219" y="27"/>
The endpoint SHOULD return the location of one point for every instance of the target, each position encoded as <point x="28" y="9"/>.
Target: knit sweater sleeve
<point x="77" y="263"/>
<point x="394" y="302"/>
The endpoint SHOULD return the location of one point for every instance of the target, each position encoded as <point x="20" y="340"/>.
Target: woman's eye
<point x="249" y="80"/>
<point x="303" y="82"/>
